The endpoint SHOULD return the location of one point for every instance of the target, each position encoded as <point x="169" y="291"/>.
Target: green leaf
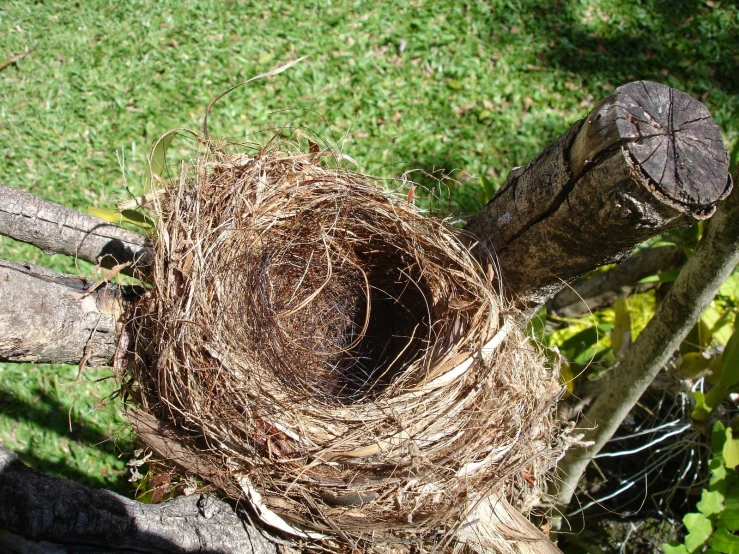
<point x="693" y="364"/>
<point x="702" y="410"/>
<point x="699" y="527"/>
<point x="718" y="437"/>
<point x="711" y="503"/>
<point x="106" y="214"/>
<point x="621" y="332"/>
<point x="591" y="354"/>
<point x="723" y="541"/>
<point x="729" y="372"/>
<point x="158" y="157"/>
<point x="566" y="377"/>
<point x="487" y="186"/>
<point x="731" y="450"/>
<point x="667" y="276"/>
<point x="716" y="326"/>
<point x="718" y="474"/>
<point x="730" y="288"/>
<point x="729" y="519"/>
<point x="128" y="216"/>
<point x="730" y="358"/>
<point x="536" y="327"/>
<point x="734" y="156"/>
<point x="485" y="114"/>
<point x="138" y="218"/>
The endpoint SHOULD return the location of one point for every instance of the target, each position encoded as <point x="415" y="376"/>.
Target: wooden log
<point x="46" y="317"/>
<point x="58" y="229"/>
<point x="648" y="158"/>
<point x="40" y="513"/>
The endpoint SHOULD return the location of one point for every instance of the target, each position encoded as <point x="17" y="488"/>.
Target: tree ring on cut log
<point x="670" y="136"/>
<point x="317" y="345"/>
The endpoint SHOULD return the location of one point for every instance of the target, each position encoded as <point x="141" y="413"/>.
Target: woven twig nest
<point x="319" y="346"/>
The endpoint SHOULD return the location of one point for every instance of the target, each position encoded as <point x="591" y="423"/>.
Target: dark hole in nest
<point x="397" y="332"/>
<point x="345" y="355"/>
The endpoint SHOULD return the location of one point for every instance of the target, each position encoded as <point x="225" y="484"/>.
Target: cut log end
<point x="668" y="136"/>
<point x="648" y="158"/>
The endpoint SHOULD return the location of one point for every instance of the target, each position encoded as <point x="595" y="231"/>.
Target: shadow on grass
<point x="62" y="469"/>
<point x="684" y="44"/>
<point x="48" y="414"/>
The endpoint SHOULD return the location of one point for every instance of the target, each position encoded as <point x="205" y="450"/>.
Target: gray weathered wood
<point x="45" y="514"/>
<point x="46" y="317"/>
<point x="646" y="159"/>
<point x="58" y="229"/>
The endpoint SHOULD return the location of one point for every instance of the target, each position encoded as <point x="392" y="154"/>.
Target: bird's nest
<point x="317" y="345"/>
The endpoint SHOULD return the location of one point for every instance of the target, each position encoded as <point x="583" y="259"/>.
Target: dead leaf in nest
<point x="157" y="495"/>
<point x="459" y="304"/>
<point x="490" y="274"/>
<point x="160" y="480"/>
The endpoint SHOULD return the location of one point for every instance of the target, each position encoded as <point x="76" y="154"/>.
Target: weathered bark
<point x="646" y="159"/>
<point x="46" y="317"/>
<point x="601" y="290"/>
<point x="57" y="229"/>
<point x="708" y="267"/>
<point x="44" y="514"/>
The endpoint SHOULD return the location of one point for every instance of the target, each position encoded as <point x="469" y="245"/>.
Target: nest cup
<point x="316" y="344"/>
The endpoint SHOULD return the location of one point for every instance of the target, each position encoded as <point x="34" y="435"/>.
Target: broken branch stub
<point x="647" y="158"/>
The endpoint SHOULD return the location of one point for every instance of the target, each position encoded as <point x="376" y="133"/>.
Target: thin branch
<point x="601" y="290"/>
<point x="58" y="229"/>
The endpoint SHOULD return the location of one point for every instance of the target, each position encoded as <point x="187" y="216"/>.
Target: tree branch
<point x="710" y="265"/>
<point x="47" y="317"/>
<point x="601" y="290"/>
<point x="647" y="158"/>
<point x="48" y="514"/>
<point x="57" y="229"/>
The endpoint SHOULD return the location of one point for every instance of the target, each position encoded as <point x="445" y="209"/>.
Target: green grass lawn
<point x="468" y="89"/>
